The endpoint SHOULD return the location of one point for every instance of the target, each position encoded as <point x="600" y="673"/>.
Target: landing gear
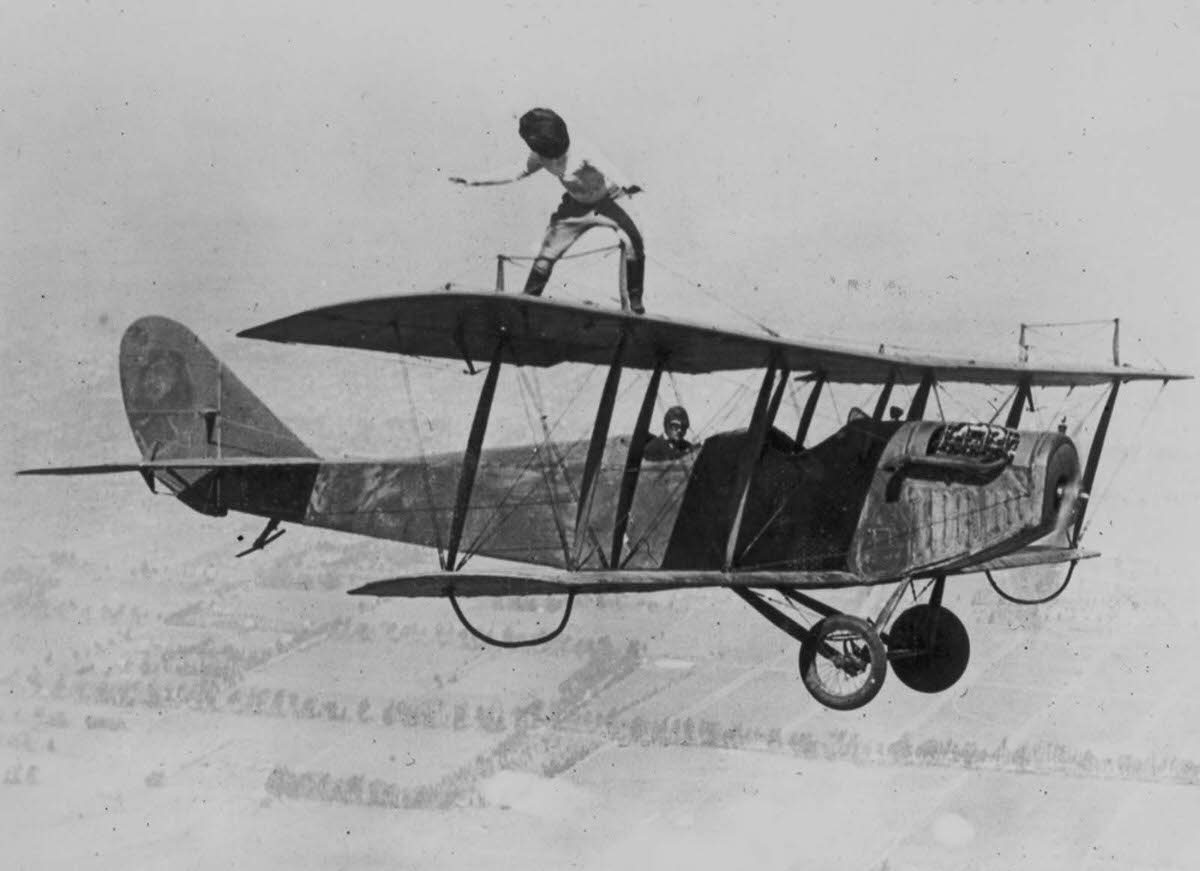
<point x="929" y="648"/>
<point x="843" y="662"/>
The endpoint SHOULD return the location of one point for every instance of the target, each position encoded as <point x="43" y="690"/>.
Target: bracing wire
<point x="1000" y="407"/>
<point x="548" y="474"/>
<point x="718" y="418"/>
<point x="499" y="516"/>
<point x="523" y="258"/>
<point x="433" y="514"/>
<point x="1120" y="464"/>
<point x="495" y="520"/>
<point x="712" y="295"/>
<point x="1083" y="419"/>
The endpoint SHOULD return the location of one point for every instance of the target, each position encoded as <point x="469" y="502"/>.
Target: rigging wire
<point x="711" y="295"/>
<point x="1002" y="405"/>
<point x="433" y="512"/>
<point x="495" y="520"/>
<point x="837" y="412"/>
<point x="1082" y="420"/>
<point x="1124" y="456"/>
<point x="528" y="396"/>
<point x="674" y="387"/>
<point x="724" y="412"/>
<point x="529" y="258"/>
<point x="1107" y="321"/>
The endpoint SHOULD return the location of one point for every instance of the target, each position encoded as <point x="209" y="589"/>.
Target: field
<point x="252" y="723"/>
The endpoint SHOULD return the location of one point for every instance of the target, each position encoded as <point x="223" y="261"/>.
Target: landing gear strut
<point x="844" y="659"/>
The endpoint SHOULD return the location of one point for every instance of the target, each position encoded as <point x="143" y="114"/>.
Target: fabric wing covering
<point x="466" y="325"/>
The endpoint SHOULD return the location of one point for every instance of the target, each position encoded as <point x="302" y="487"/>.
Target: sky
<point x="925" y="175"/>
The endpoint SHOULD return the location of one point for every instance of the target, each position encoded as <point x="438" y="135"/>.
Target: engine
<point x="944" y="494"/>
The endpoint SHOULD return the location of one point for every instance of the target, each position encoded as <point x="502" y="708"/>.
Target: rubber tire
<point x="876" y="669"/>
<point x="938" y="668"/>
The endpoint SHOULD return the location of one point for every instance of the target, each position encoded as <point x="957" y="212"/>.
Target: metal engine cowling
<point x="945" y="494"/>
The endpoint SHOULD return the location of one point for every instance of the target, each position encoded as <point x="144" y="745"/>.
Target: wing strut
<point x="633" y="463"/>
<point x="777" y="397"/>
<point x="1093" y="460"/>
<point x="466" y="480"/>
<point x="759" y="422"/>
<point x="1023" y="397"/>
<point x="885" y="396"/>
<point x="596" y="451"/>
<point x="916" y="411"/>
<point x="810" y="408"/>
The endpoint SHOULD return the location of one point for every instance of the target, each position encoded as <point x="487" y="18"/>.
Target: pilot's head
<point x="544" y="132"/>
<point x="675" y="423"/>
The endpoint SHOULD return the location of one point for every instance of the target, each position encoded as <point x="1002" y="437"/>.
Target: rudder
<point x="182" y="402"/>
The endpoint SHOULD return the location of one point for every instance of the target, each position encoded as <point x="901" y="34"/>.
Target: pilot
<point x="673" y="443"/>
<point x="592" y="188"/>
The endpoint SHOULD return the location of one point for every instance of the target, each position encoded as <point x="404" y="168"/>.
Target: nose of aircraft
<point x="1061" y="491"/>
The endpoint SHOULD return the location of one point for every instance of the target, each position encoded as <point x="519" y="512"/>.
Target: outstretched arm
<point x="485" y="182"/>
<point x="501" y="177"/>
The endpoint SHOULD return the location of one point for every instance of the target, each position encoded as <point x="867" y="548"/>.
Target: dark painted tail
<point x="183" y="403"/>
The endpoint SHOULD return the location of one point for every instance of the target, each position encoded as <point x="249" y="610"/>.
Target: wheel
<point x="925" y="667"/>
<point x="843" y="662"/>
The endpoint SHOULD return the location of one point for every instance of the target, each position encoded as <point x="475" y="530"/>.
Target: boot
<point x="536" y="282"/>
<point x="635" y="274"/>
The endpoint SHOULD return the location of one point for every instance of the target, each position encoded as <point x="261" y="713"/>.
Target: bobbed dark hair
<point x="545" y="132"/>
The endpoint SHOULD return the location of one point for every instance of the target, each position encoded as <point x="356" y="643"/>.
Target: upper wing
<point x="543" y="332"/>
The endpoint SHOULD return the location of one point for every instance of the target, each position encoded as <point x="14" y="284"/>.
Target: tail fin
<point x="183" y="403"/>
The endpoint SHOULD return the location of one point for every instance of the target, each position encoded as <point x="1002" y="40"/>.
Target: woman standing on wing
<point x="592" y="188"/>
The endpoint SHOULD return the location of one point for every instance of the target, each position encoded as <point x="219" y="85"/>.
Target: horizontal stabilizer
<point x="625" y="581"/>
<point x="201" y="463"/>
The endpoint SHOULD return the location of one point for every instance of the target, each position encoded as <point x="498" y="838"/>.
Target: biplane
<point x="888" y="499"/>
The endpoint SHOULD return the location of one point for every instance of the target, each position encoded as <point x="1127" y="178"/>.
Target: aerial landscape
<point x="926" y="181"/>
<point x="262" y="713"/>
